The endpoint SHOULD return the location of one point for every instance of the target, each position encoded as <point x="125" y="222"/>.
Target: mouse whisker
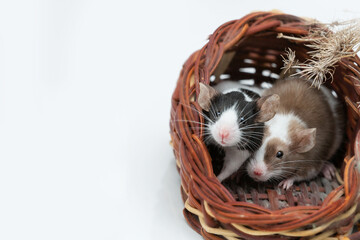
<point x="243" y="108"/>
<point x="279" y="177"/>
<point x="287" y="171"/>
<point x="199" y="112"/>
<point x="241" y="143"/>
<point x="254" y="142"/>
<point x="260" y="135"/>
<point x="251" y="127"/>
<point x="206" y="134"/>
<point x="190" y="121"/>
<point x="252" y="145"/>
<point x="249" y="146"/>
<point x="212" y="110"/>
<point x="200" y="127"/>
<point x="256" y="124"/>
<point x="254" y="139"/>
<point x="207" y="139"/>
<point x="277" y="174"/>
<point x="281" y="164"/>
<point x="252" y="133"/>
<point x="251" y="115"/>
<point x="303" y="160"/>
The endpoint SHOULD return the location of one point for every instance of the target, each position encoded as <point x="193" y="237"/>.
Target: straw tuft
<point x="329" y="43"/>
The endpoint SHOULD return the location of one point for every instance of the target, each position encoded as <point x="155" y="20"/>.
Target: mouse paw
<point x="328" y="170"/>
<point x="287" y="183"/>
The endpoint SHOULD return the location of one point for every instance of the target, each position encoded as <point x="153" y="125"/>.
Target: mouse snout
<point x="225" y="131"/>
<point x="258" y="172"/>
<point x="224" y="134"/>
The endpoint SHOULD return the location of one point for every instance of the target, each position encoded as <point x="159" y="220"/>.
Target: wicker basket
<point x="318" y="209"/>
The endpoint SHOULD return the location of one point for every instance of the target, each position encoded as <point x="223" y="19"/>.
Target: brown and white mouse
<point x="303" y="135"/>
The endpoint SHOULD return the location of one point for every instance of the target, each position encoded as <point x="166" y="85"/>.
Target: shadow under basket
<point x="249" y="48"/>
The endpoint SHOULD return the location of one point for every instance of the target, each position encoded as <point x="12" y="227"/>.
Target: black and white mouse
<point x="234" y="121"/>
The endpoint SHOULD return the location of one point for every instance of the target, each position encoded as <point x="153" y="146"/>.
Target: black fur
<point x="246" y="113"/>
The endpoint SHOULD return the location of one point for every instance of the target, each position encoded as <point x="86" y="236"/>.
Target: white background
<point x="85" y="89"/>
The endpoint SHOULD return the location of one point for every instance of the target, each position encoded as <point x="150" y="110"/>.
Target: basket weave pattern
<point x="210" y="208"/>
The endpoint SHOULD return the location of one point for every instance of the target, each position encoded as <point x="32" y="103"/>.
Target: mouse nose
<point x="224" y="133"/>
<point x="258" y="172"/>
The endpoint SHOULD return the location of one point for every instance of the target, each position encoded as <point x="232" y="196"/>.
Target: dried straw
<point x="329" y="43"/>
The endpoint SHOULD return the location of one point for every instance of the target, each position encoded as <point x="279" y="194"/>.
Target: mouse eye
<point x="279" y="154"/>
<point x="217" y="113"/>
<point x="242" y="120"/>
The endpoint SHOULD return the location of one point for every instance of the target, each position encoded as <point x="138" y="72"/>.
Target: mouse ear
<point x="205" y="95"/>
<point x="268" y="106"/>
<point x="306" y="140"/>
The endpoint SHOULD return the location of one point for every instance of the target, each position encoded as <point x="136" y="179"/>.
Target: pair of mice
<point x="288" y="133"/>
<point x="235" y="121"/>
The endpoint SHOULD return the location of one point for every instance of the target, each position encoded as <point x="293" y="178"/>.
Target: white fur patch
<point x="247" y="98"/>
<point x="226" y="122"/>
<point x="278" y="128"/>
<point x="233" y="160"/>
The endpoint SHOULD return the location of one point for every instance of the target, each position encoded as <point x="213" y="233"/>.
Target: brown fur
<point x="311" y="106"/>
<point x="273" y="146"/>
<point x="205" y="96"/>
<point x="268" y="106"/>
